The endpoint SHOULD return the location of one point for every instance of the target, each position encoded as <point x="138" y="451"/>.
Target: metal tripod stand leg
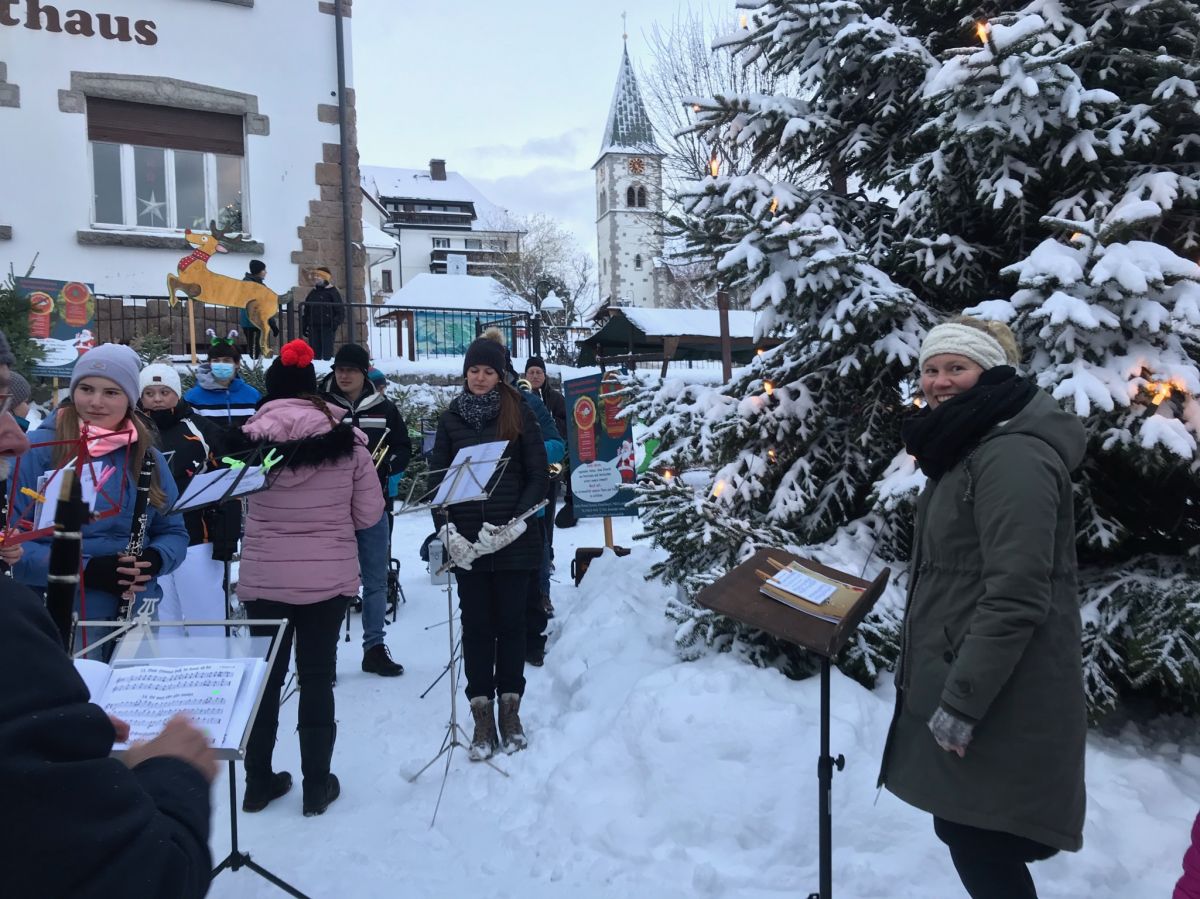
<point x="238" y="859"/>
<point x="825" y="765"/>
<point x="450" y="740"/>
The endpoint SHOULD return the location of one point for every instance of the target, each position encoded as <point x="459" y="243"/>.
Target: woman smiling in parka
<point x="990" y="723"/>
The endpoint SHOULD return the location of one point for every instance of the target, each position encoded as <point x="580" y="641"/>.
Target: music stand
<point x="136" y="641"/>
<point x="737" y="596"/>
<point x="464" y="480"/>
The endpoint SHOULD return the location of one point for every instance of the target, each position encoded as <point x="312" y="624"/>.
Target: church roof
<point x="628" y="129"/>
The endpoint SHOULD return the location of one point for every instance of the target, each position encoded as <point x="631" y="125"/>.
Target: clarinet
<point x="137" y="531"/>
<point x="66" y="550"/>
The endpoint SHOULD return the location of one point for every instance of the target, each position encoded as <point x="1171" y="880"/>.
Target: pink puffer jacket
<point x="299" y="546"/>
<point x="1189" y="884"/>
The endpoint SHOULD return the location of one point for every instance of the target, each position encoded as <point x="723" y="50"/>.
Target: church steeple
<point x="628" y="129"/>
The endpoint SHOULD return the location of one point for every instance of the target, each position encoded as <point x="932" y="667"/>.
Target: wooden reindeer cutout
<point x="199" y="284"/>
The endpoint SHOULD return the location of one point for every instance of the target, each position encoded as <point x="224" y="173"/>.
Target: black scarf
<point x="478" y="410"/>
<point x="940" y="437"/>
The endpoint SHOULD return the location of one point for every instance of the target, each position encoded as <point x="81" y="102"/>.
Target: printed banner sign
<point x="601" y="446"/>
<point x="62" y="320"/>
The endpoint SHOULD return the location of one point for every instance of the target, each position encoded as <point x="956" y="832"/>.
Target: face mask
<point x="222" y="371"/>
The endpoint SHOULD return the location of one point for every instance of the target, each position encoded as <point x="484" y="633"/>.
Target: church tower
<point x="629" y="201"/>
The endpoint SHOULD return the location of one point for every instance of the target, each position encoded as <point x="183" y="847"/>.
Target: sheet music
<point x="148" y="696"/>
<point x="209" y="487"/>
<point x="474" y="467"/>
<point x="50" y="486"/>
<point x="800" y="584"/>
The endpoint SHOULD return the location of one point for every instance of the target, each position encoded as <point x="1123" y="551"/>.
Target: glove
<point x="461" y="550"/>
<point x="952" y="733"/>
<point x="491" y="539"/>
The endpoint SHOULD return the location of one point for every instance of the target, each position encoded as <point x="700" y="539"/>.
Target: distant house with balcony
<point x="444" y="225"/>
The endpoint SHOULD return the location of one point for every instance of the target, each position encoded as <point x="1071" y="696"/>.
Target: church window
<point x="631" y="197"/>
<point x="641" y="197"/>
<point x="603" y="202"/>
<point x="637" y="262"/>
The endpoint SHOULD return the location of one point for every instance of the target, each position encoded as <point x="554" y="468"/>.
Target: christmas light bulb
<point x="982" y="29"/>
<point x="768" y="388"/>
<point x="774" y="204"/>
<point x="668" y="474"/>
<point x="743" y="21"/>
<point x="714" y="164"/>
<point x="718" y="488"/>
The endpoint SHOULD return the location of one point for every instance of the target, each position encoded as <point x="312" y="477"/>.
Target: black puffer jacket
<point x="75" y="821"/>
<point x="557" y="405"/>
<point x="521" y="485"/>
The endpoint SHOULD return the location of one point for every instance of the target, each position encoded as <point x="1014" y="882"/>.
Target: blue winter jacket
<point x="229" y="407"/>
<point x="108" y="537"/>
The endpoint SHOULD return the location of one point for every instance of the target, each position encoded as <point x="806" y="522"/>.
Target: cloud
<point x="564" y="146"/>
<point x="566" y="193"/>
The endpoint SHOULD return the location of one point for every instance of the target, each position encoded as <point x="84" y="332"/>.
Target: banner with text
<point x="601" y="445"/>
<point x="62" y="321"/>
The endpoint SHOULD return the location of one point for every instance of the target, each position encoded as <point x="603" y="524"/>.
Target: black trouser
<point x="321" y="340"/>
<point x="548" y="518"/>
<point x="316" y="627"/>
<point x="536" y="620"/>
<point x="493" y="630"/>
<point x="991" y="863"/>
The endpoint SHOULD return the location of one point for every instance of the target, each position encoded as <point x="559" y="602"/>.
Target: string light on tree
<point x="714" y="164"/>
<point x="718" y="488"/>
<point x="768" y="388"/>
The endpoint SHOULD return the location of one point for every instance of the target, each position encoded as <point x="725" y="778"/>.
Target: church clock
<point x="637" y="165"/>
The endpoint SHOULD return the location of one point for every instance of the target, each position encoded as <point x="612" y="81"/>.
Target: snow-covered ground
<point x="647" y="776"/>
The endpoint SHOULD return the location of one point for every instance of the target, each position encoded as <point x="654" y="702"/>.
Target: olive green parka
<point x="992" y="632"/>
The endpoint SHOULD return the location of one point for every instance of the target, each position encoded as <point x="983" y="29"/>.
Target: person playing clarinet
<point x="123" y="552"/>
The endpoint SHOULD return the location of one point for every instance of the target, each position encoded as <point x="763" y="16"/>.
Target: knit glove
<point x="493" y="537"/>
<point x="461" y="550"/>
<point x="101" y="573"/>
<point x="952" y="733"/>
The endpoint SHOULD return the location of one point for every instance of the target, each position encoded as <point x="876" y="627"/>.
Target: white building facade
<point x="443" y="223"/>
<point x="629" y="232"/>
<point x="128" y="121"/>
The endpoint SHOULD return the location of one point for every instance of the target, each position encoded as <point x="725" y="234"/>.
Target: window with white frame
<point x="441" y="243"/>
<point x="162" y="168"/>
<point x="472" y="243"/>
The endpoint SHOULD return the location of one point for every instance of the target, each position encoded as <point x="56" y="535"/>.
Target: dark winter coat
<point x="1189" y="884"/>
<point x="323" y="310"/>
<point x="191" y="445"/>
<point x="373" y="413"/>
<point x="557" y="405"/>
<point x="518" y="488"/>
<point x="76" y="822"/>
<point x="992" y="632"/>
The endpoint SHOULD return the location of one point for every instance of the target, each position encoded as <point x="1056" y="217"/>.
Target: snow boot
<point x="535" y="655"/>
<point x="512" y="735"/>
<point x="316" y="752"/>
<point x="378" y="660"/>
<point x="547" y="606"/>
<point x="485" y="742"/>
<point x="261" y="792"/>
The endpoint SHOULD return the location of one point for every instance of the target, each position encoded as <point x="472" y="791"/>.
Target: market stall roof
<point x="668" y="335"/>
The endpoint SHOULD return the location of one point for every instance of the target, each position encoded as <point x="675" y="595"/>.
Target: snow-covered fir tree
<point x="1047" y="156"/>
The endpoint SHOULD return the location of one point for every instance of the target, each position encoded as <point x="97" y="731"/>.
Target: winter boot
<point x="485" y="741"/>
<point x="378" y="660"/>
<point x="535" y="655"/>
<point x="512" y="735"/>
<point x="547" y="606"/>
<point x="316" y="752"/>
<point x="262" y="791"/>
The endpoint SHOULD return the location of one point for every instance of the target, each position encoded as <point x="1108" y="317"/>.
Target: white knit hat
<point x="160" y="375"/>
<point x="963" y="340"/>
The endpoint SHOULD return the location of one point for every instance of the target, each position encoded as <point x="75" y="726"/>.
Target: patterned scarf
<point x="478" y="410"/>
<point x="195" y="256"/>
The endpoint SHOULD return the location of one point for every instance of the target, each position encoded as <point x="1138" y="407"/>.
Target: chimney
<point x="437" y="169"/>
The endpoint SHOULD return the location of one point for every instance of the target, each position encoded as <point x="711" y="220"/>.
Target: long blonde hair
<point x="66" y="428"/>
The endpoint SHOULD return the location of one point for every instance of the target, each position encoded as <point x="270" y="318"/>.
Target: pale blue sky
<point x="513" y="95"/>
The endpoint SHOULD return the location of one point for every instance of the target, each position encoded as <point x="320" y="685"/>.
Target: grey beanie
<point x="19" y="389"/>
<point x="118" y="363"/>
<point x="6" y="353"/>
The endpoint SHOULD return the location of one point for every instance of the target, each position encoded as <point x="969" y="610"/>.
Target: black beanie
<point x="353" y="356"/>
<point x="485" y="351"/>
<point x="257" y="266"/>
<point x="535" y="362"/>
<point x="292" y="373"/>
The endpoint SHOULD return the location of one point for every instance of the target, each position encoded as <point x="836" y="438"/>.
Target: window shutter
<point x="122" y="122"/>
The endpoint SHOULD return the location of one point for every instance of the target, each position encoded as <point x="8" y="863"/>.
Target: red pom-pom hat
<point x="292" y="373"/>
<point x="296" y="353"/>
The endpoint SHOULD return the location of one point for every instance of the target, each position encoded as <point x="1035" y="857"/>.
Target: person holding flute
<point x="376" y="416"/>
<point x="493" y="574"/>
<point x="99" y="430"/>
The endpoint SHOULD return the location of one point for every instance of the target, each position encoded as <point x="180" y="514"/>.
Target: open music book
<point x="218" y="694"/>
<point x="810" y="592"/>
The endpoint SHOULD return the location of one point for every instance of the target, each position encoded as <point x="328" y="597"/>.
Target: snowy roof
<point x="467" y="292"/>
<point x="416" y="184"/>
<point x="376" y="238"/>
<point x="688" y="322"/>
<point x="628" y="129"/>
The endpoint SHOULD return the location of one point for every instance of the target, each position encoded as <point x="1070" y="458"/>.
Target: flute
<point x="66" y="549"/>
<point x="137" y="530"/>
<point x="532" y="510"/>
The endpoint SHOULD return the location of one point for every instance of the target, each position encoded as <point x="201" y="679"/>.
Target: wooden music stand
<point x="737" y="596"/>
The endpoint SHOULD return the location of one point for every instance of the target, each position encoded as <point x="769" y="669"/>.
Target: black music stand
<point x="737" y="596"/>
